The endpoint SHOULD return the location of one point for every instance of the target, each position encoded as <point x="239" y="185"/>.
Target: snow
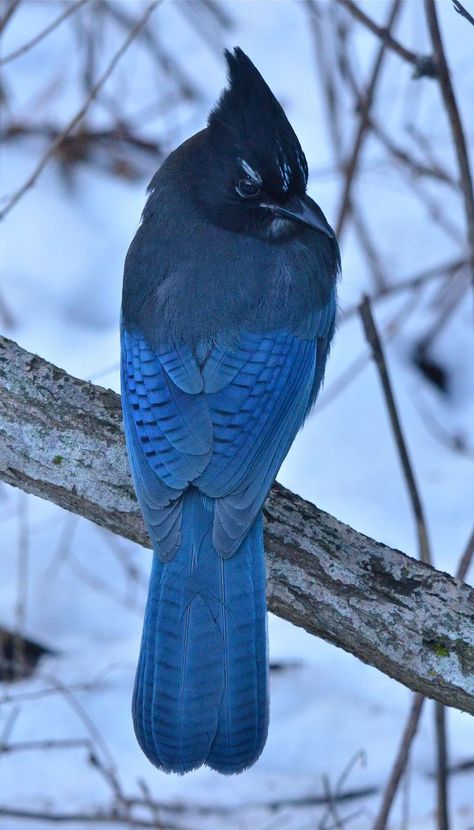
<point x="61" y="256"/>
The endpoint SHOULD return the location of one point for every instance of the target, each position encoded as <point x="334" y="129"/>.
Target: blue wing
<point x="168" y="430"/>
<point x="224" y="424"/>
<point x="255" y="418"/>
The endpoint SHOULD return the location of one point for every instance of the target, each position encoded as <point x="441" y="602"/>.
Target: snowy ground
<point x="61" y="256"/>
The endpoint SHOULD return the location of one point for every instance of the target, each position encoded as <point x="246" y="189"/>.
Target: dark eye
<point x="247" y="188"/>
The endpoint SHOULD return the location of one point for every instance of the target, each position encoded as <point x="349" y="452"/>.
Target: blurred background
<point x="90" y="105"/>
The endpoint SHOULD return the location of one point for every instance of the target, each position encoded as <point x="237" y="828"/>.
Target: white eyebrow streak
<point x="301" y="165"/>
<point x="251" y="173"/>
<point x="285" y="171"/>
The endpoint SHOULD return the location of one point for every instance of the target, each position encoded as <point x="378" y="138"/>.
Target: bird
<point x="228" y="311"/>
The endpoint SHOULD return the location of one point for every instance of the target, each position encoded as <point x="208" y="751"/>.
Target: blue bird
<point x="228" y="311"/>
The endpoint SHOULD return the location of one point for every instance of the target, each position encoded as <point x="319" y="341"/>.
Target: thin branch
<point x="48" y="743"/>
<point x="375" y="344"/>
<point x="442" y="767"/>
<point x="455" y="442"/>
<point x="466" y="559"/>
<point x="444" y="269"/>
<point x="31" y="181"/>
<point x="365" y="106"/>
<point x="324" y="72"/>
<point x="98" y="818"/>
<point x="423" y="64"/>
<point x="9" y="12"/>
<point x="462" y="11"/>
<point x="400" y="762"/>
<point x="164" y="60"/>
<point x="404" y="157"/>
<point x="6" y="317"/>
<point x="17" y="53"/>
<point x="8" y="729"/>
<point x="454" y="291"/>
<point x="455" y="122"/>
<point x="340" y="796"/>
<point x="425" y="555"/>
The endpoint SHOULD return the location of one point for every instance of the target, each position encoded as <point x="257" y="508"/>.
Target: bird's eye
<point x="247" y="188"/>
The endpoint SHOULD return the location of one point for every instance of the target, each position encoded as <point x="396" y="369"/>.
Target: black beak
<point x="303" y="209"/>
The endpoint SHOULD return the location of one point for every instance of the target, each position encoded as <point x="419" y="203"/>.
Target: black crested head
<point x="248" y="118"/>
<point x="251" y="176"/>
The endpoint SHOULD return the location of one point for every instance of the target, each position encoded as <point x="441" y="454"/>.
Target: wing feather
<point x="225" y="426"/>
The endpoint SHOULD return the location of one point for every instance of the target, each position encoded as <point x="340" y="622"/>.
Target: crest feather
<point x="249" y="122"/>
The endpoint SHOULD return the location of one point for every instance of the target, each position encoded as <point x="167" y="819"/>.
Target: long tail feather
<point x="201" y="690"/>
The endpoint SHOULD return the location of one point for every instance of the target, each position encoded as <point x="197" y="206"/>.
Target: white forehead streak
<point x="251" y="173"/>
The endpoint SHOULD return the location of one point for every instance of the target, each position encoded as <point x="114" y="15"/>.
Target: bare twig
<point x="455" y="122"/>
<point x="6" y="315"/>
<point x="375" y="344"/>
<point x="331" y="809"/>
<point x="48" y="743"/>
<point x="31" y="181"/>
<point x="108" y="770"/>
<point x="444" y="269"/>
<point x="435" y="211"/>
<point x="423" y="64"/>
<point x="366" y="104"/>
<point x="355" y="367"/>
<point x="19" y="661"/>
<point x="425" y="555"/>
<point x="193" y="13"/>
<point x="444" y="310"/>
<point x="11" y="7"/>
<point x="98" y="818"/>
<point x="442" y="767"/>
<point x="20" y="697"/>
<point x="400" y="762"/>
<point x="455" y="442"/>
<point x="17" y="53"/>
<point x="164" y="59"/>
<point x="278" y="803"/>
<point x="466" y="558"/>
<point x="402" y="155"/>
<point x="462" y="11"/>
<point x="334" y="796"/>
<point x="23" y="562"/>
<point x="8" y="728"/>
<point x="334" y="122"/>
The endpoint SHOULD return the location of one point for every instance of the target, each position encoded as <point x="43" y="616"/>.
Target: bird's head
<point x="253" y="174"/>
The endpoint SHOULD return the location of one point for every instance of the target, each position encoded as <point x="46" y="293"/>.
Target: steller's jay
<point x="228" y="311"/>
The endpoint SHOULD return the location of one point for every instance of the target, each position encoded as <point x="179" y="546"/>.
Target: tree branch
<point x="365" y="104"/>
<point x="73" y="123"/>
<point x="61" y="439"/>
<point x="423" y="64"/>
<point x="454" y="117"/>
<point x="17" y="53"/>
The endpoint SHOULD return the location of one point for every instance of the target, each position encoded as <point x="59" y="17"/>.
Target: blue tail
<point x="201" y="689"/>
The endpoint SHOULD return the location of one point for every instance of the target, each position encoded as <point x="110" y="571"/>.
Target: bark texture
<point x="61" y="439"/>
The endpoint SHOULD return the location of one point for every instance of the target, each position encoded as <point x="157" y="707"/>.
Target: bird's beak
<point x="303" y="209"/>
